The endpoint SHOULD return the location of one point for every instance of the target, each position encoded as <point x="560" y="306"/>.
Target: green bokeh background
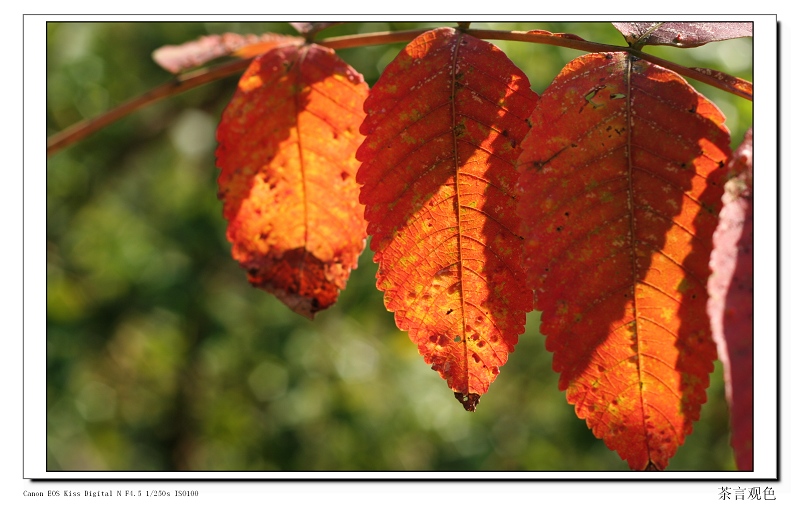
<point x="161" y="356"/>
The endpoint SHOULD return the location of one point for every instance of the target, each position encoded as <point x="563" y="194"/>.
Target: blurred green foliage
<point x="160" y="355"/>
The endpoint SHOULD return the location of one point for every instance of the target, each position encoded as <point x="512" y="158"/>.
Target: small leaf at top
<point x="443" y="128"/>
<point x="620" y="186"/>
<point x="683" y="35"/>
<point x="287" y="144"/>
<point x="306" y="29"/>
<point x="176" y="59"/>
<point x="730" y="299"/>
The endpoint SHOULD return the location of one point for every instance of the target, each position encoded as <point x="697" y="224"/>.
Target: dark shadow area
<point x="619" y="237"/>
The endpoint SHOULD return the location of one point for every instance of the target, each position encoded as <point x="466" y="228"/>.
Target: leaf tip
<point x="469" y="401"/>
<point x="652" y="467"/>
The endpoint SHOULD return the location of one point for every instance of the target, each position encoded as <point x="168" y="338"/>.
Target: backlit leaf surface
<point x="730" y="303"/>
<point x="443" y="128"/>
<point x="287" y="144"/>
<point x="619" y="193"/>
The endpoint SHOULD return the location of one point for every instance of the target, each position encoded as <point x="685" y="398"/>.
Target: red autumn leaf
<point x="443" y="126"/>
<point x="287" y="144"/>
<point x="176" y="59"/>
<point x="730" y="299"/>
<point x="683" y="35"/>
<point x="620" y="187"/>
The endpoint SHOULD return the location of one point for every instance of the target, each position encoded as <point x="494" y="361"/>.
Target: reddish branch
<point x="179" y="84"/>
<point x="199" y="77"/>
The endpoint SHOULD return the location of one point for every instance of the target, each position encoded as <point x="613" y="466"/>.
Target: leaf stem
<point x="642" y="40"/>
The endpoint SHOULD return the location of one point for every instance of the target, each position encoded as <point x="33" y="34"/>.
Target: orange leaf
<point x="619" y="193"/>
<point x="287" y="144"/>
<point x="443" y="126"/>
<point x="730" y="303"/>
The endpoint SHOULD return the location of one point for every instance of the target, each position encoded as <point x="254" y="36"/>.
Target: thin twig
<point x="693" y="73"/>
<point x="84" y="128"/>
<point x="538" y="37"/>
<point x="372" y="39"/>
<point x="179" y="84"/>
<point x="595" y="47"/>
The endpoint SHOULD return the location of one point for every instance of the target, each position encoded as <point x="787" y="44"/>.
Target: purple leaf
<point x="682" y="35"/>
<point x="730" y="303"/>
